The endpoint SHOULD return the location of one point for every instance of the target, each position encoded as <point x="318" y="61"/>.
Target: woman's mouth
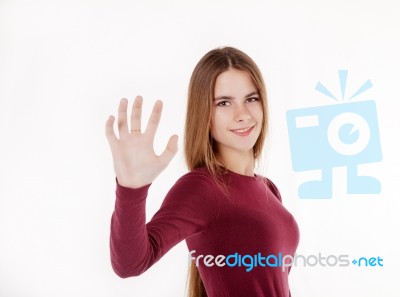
<point x="243" y="132"/>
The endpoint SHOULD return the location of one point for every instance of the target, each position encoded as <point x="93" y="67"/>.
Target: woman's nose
<point x="242" y="113"/>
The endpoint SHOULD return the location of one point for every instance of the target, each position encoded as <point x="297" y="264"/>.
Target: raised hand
<point x="135" y="162"/>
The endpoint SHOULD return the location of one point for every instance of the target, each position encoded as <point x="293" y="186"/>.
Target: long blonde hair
<point x="199" y="146"/>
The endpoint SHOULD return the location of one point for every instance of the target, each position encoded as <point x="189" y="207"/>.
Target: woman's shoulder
<point x="272" y="186"/>
<point x="198" y="182"/>
<point x="198" y="176"/>
<point x="195" y="187"/>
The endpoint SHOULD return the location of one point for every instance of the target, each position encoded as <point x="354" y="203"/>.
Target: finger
<point x="111" y="137"/>
<point x="170" y="150"/>
<point x="154" y="119"/>
<point x="122" y="118"/>
<point x="136" y="116"/>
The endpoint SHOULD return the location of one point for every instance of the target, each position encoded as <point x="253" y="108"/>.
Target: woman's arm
<point x="188" y="208"/>
<point x="134" y="245"/>
<point x="128" y="235"/>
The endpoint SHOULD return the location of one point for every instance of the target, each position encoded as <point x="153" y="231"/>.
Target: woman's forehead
<point x="234" y="83"/>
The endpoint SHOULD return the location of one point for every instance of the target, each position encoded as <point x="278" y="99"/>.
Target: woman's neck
<point x="239" y="162"/>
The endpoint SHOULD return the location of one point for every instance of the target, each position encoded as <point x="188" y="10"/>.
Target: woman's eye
<point x="253" y="99"/>
<point x="223" y="103"/>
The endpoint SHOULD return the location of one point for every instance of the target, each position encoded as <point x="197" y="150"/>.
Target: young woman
<point x="231" y="218"/>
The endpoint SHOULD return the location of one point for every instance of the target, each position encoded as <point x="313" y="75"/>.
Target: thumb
<point x="170" y="150"/>
<point x="109" y="130"/>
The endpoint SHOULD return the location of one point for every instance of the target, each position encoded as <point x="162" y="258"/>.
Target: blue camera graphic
<point x="344" y="134"/>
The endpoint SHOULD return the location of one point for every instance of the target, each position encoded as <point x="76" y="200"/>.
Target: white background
<point x="64" y="65"/>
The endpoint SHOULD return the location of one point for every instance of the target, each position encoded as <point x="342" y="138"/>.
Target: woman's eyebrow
<point x="223" y="97"/>
<point x="252" y="94"/>
<point x="231" y="98"/>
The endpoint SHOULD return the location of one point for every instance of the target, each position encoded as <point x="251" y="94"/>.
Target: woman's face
<point x="237" y="112"/>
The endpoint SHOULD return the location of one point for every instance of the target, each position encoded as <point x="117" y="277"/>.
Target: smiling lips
<point x="243" y="131"/>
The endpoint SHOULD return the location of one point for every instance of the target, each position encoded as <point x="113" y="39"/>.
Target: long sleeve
<point x="250" y="221"/>
<point x="135" y="246"/>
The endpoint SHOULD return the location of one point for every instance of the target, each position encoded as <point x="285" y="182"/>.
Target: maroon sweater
<point x="252" y="222"/>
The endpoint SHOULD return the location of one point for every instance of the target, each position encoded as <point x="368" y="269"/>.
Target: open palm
<point x="135" y="162"/>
